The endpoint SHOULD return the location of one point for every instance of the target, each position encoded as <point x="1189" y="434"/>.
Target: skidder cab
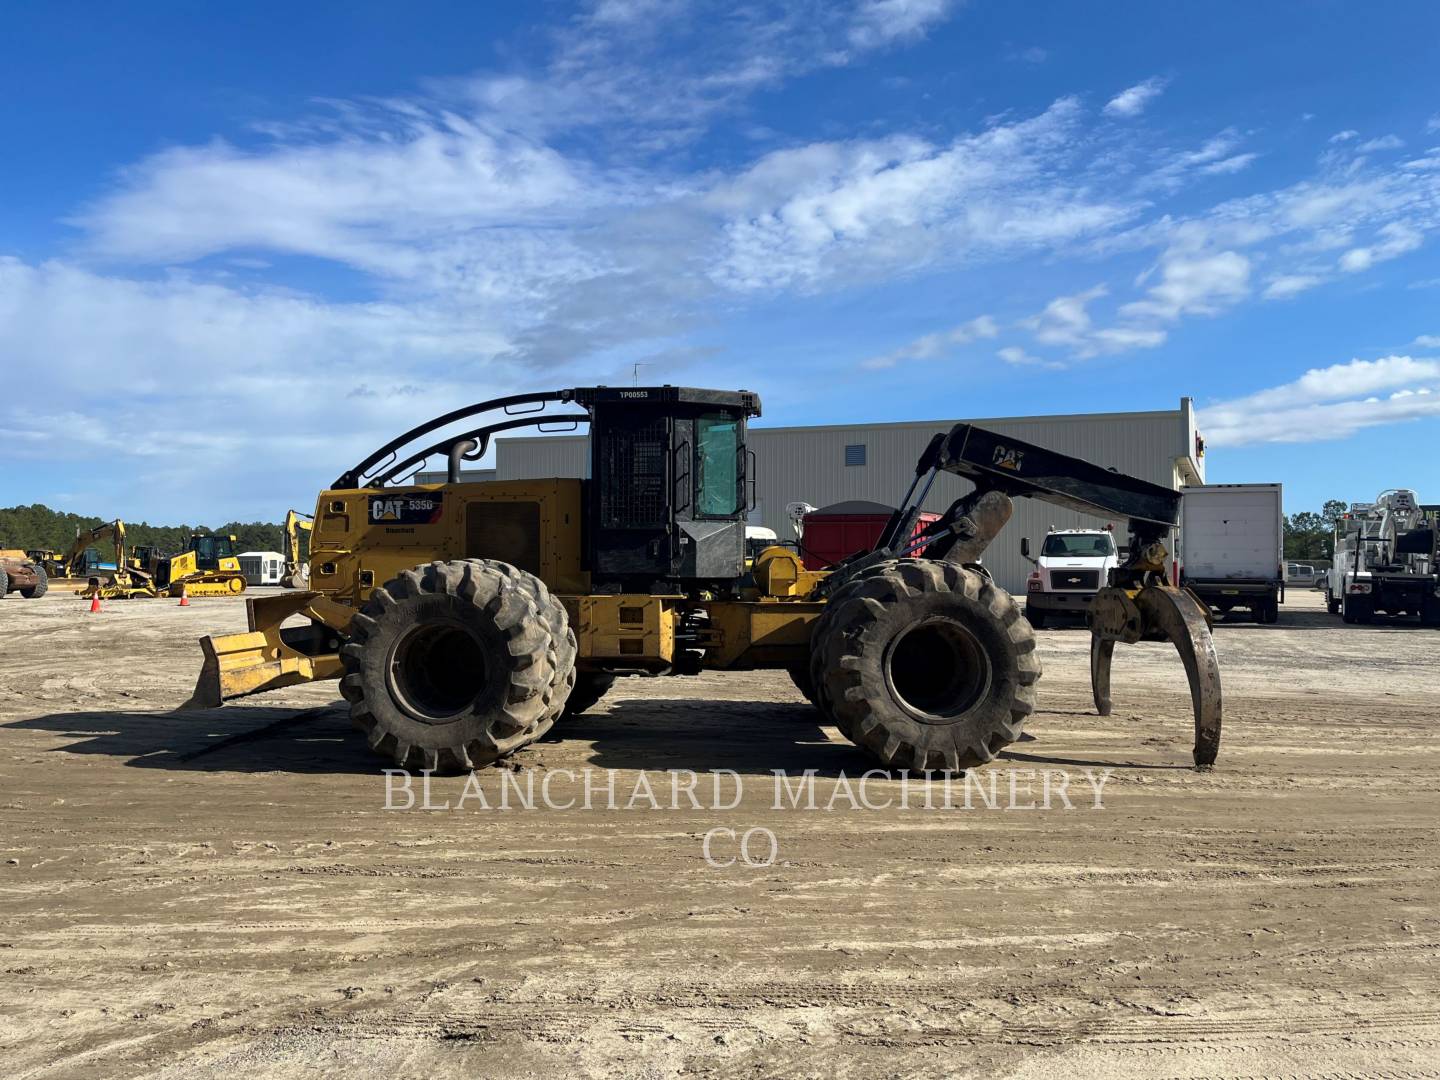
<point x="463" y="619"/>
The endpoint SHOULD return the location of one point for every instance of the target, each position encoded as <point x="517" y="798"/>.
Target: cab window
<point x="717" y="466"/>
<point x="1060" y="546"/>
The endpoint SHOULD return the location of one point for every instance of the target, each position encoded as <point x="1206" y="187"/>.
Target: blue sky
<point x="240" y="247"/>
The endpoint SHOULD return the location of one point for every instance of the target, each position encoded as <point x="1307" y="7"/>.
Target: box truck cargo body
<point x="1232" y="545"/>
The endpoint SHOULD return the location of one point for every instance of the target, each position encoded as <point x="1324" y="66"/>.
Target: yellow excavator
<point x="121" y="580"/>
<point x="297" y="563"/>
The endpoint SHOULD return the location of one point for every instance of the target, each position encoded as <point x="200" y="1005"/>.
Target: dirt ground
<point x="221" y="894"/>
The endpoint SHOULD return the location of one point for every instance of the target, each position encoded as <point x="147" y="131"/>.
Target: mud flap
<point x="269" y="657"/>
<point x="1161" y="613"/>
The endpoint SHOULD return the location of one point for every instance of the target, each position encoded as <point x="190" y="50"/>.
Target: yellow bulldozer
<point x="464" y="619"/>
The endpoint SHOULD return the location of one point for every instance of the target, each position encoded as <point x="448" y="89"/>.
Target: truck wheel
<point x="448" y="666"/>
<point x="1035" y="617"/>
<point x="4" y="584"/>
<point x="928" y="665"/>
<point x="590" y="687"/>
<point x="41" y="586"/>
<point x="1331" y="604"/>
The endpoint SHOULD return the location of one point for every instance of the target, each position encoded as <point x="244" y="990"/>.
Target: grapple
<point x="1148" y="610"/>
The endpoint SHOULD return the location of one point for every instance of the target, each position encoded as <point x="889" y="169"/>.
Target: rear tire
<point x="1331" y="604"/>
<point x="927" y="664"/>
<point x="41" y="586"/>
<point x="450" y="666"/>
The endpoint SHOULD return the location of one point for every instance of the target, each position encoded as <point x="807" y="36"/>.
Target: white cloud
<point x="1395" y="239"/>
<point x="880" y="22"/>
<point x="1427" y="341"/>
<point x="1018" y="357"/>
<point x="1227" y="166"/>
<point x="1199" y="284"/>
<point x="1066" y="322"/>
<point x="1284" y="286"/>
<point x="934" y="346"/>
<point x="183" y="381"/>
<point x="1433" y="124"/>
<point x="830" y="211"/>
<point x="1132" y="102"/>
<point x="1384" y="142"/>
<point x="1344" y="136"/>
<point x="1329" y="403"/>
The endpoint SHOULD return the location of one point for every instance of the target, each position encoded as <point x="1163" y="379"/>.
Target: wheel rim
<point x="938" y="670"/>
<point x="435" y="671"/>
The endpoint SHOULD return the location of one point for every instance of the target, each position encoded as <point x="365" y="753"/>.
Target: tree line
<point x="1309" y="535"/>
<point x="37" y="526"/>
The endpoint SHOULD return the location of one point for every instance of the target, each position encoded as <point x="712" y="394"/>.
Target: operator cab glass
<point x="209" y="550"/>
<point x="717" y="465"/>
<point x="1061" y="546"/>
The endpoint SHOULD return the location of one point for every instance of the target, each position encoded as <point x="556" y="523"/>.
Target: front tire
<point x="927" y="664"/>
<point x="450" y="666"/>
<point x="41" y="586"/>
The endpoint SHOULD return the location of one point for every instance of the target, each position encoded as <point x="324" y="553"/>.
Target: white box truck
<point x="1232" y="547"/>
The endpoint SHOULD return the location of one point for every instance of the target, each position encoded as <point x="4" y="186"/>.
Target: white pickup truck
<point x="1072" y="566"/>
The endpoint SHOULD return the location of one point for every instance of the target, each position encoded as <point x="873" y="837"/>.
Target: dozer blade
<point x="1161" y="613"/>
<point x="268" y="657"/>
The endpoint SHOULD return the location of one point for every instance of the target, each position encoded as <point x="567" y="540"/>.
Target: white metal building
<point x="828" y="464"/>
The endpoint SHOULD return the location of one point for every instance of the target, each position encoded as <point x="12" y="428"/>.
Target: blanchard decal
<point x="406" y="509"/>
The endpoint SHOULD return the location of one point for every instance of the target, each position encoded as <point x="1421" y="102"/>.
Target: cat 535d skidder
<point x="463" y="619"/>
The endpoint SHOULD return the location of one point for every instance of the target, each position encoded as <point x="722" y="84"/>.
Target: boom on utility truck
<point x="1385" y="560"/>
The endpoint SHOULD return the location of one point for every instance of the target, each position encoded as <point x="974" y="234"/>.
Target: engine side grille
<point x="632" y="491"/>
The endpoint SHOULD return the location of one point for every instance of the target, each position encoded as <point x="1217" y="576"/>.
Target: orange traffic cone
<point x="184" y="597"/>
<point x="94" y="603"/>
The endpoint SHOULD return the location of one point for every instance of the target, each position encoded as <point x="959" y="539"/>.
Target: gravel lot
<point x="223" y="893"/>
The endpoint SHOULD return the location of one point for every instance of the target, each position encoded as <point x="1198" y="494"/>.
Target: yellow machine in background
<point x="124" y="581"/>
<point x="297" y="565"/>
<point x="208" y="568"/>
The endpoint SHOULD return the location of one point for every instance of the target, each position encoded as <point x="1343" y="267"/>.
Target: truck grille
<point x="1077" y="580"/>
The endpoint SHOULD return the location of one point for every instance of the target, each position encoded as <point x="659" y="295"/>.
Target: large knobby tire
<point x="928" y="665"/>
<point x="562" y="685"/>
<point x="4" y="584"/>
<point x="41" y="586"/>
<point x="450" y="666"/>
<point x="589" y="688"/>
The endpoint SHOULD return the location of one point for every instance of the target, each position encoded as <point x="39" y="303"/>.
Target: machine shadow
<point x="750" y="737"/>
<point x="237" y="738"/>
<point x="654" y="734"/>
